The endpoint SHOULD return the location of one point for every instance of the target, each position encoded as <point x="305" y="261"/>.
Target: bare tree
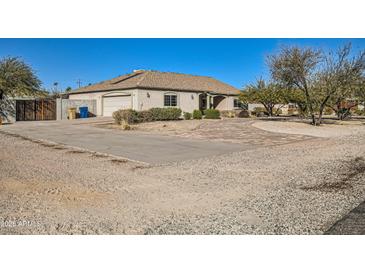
<point x="296" y="68"/>
<point x="337" y="78"/>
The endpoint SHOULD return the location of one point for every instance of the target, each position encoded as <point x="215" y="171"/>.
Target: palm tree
<point x="16" y="79"/>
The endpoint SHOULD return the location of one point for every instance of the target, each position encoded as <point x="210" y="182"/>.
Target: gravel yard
<point x="298" y="187"/>
<point x="326" y="130"/>
<point x="226" y="130"/>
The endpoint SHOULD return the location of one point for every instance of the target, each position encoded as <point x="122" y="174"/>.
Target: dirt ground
<point x="226" y="130"/>
<point x="299" y="187"/>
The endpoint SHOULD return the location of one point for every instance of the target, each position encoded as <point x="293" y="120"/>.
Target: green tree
<point x="68" y="89"/>
<point x="17" y="79"/>
<point x="296" y="97"/>
<point x="296" y="68"/>
<point x="360" y="91"/>
<point x="325" y="79"/>
<point x="268" y="94"/>
<point x="336" y="81"/>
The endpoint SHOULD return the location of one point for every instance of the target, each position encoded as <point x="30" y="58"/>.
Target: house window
<point x="170" y="100"/>
<point x="238" y="104"/>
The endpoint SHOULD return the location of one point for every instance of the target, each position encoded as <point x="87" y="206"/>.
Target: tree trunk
<point x="320" y="116"/>
<point x="271" y="111"/>
<point x="310" y="107"/>
<point x="268" y="108"/>
<point x="321" y="109"/>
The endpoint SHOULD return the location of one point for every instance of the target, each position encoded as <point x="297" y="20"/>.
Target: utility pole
<point x="79" y="82"/>
<point x="55" y="84"/>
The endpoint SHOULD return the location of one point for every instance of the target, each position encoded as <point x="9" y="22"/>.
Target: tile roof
<point x="161" y="80"/>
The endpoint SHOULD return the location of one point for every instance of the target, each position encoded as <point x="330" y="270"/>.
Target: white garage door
<point x="113" y="103"/>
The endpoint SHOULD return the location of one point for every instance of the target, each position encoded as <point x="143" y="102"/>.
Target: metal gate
<point x="36" y="110"/>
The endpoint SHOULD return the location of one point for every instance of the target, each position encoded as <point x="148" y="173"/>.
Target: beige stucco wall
<point x="284" y="108"/>
<point x="226" y="103"/>
<point x="98" y="97"/>
<point x="187" y="101"/>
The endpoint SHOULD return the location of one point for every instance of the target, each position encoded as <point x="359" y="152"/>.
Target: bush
<point x="187" y="115"/>
<point x="197" y="114"/>
<point x="228" y="113"/>
<point x="127" y="116"/>
<point x="145" y="116"/>
<point x="165" y="114"/>
<point x="212" y="114"/>
<point x="242" y="113"/>
<point x="259" y="111"/>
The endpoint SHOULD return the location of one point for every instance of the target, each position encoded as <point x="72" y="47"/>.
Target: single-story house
<point x="145" y="89"/>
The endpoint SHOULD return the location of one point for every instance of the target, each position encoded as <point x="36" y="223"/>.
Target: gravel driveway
<point x="295" y="188"/>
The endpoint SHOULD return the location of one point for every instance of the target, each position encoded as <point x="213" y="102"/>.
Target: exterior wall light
<point x="192" y="97"/>
<point x="148" y="95"/>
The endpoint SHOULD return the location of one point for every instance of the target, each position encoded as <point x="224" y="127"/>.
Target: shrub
<point x="164" y="114"/>
<point x="259" y="111"/>
<point x="126" y="127"/>
<point x="127" y="116"/>
<point x="228" y="113"/>
<point x="145" y="116"/>
<point x="187" y="115"/>
<point x="242" y="114"/>
<point x="197" y="114"/>
<point x="212" y="114"/>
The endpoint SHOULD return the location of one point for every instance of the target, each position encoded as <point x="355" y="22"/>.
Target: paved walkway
<point x="352" y="224"/>
<point x="149" y="148"/>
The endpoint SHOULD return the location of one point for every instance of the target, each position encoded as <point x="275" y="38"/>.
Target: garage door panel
<point x="114" y="103"/>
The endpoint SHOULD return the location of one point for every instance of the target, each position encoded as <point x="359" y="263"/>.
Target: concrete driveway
<point x="143" y="147"/>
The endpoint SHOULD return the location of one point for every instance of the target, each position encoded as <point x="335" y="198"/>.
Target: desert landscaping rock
<point x="286" y="188"/>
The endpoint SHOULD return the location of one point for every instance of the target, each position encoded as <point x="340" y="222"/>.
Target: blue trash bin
<point x="84" y="111"/>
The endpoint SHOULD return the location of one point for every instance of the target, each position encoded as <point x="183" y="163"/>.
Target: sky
<point x="235" y="61"/>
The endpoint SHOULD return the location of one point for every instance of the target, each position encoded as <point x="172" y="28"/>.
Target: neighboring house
<point x="142" y="90"/>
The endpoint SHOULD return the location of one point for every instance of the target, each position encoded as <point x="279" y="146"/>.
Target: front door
<point x="202" y="101"/>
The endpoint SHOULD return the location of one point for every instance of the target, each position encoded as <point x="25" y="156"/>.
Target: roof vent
<point x="138" y="70"/>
